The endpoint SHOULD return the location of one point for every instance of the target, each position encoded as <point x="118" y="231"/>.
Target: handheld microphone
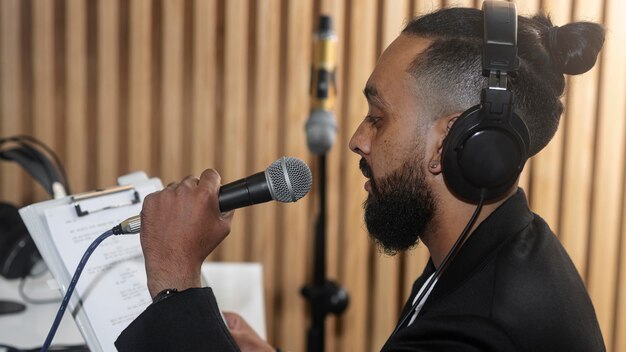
<point x="321" y="128"/>
<point x="285" y="180"/>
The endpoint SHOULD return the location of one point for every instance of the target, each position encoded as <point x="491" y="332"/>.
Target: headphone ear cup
<point x="483" y="157"/>
<point x="18" y="253"/>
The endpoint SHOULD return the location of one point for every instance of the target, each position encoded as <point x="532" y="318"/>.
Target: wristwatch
<point x="168" y="292"/>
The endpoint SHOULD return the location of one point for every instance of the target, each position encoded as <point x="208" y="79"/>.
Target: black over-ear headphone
<point x="487" y="147"/>
<point x="18" y="253"/>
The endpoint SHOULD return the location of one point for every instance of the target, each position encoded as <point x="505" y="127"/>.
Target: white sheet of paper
<point x="238" y="287"/>
<point x="113" y="284"/>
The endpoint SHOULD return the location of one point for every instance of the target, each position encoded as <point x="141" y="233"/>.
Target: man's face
<point x="393" y="143"/>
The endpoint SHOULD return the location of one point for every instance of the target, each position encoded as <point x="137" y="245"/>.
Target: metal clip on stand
<point x="324" y="296"/>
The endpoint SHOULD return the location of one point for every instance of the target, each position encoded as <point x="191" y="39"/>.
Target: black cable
<point x="446" y="261"/>
<point x="70" y="288"/>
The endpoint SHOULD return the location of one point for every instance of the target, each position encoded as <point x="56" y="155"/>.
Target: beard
<point x="399" y="208"/>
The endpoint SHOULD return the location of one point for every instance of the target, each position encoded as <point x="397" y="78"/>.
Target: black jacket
<point x="512" y="287"/>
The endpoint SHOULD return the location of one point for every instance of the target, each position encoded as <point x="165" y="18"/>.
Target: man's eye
<point x="372" y="119"/>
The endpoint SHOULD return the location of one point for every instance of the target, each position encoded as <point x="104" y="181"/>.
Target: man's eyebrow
<point x="373" y="96"/>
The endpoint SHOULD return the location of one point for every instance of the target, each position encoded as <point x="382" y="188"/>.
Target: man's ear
<point x="441" y="129"/>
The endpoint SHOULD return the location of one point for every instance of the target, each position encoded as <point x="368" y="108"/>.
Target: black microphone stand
<point x="324" y="296"/>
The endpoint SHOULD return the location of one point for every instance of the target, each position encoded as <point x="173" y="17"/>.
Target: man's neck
<point x="452" y="217"/>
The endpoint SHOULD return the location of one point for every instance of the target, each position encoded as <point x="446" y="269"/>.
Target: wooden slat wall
<point x="579" y="127"/>
<point x="10" y="94"/>
<point x="174" y="86"/>
<point x="76" y="114"/>
<point x="607" y="202"/>
<point x="264" y="110"/>
<point x="294" y="221"/>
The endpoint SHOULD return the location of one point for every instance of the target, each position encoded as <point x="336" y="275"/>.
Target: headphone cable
<point x="446" y="261"/>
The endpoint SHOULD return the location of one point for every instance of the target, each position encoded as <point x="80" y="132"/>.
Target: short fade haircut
<point x="450" y="69"/>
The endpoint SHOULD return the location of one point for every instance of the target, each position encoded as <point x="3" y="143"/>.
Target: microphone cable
<point x="72" y="286"/>
<point x="446" y="261"/>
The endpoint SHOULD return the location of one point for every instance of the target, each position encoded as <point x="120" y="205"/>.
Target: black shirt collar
<point x="507" y="220"/>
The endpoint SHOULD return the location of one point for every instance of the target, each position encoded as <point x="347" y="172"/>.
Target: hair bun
<point x="574" y="47"/>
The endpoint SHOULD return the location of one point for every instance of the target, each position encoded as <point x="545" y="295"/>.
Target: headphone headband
<point x="30" y="154"/>
<point x="487" y="147"/>
<point x="500" y="37"/>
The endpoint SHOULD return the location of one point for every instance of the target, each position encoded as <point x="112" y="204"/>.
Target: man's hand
<point x="180" y="226"/>
<point x="245" y="337"/>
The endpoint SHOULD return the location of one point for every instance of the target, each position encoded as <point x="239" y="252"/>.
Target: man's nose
<point x="359" y="143"/>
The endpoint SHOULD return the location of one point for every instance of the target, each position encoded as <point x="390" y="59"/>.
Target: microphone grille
<point x="290" y="179"/>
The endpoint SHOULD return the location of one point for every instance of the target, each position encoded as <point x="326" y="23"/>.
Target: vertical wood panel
<point x="609" y="169"/>
<point x="361" y="53"/>
<point x="528" y="7"/>
<point x="459" y="3"/>
<point x="44" y="120"/>
<point x="43" y="67"/>
<point x="108" y="98"/>
<point x="11" y="98"/>
<point x="234" y="140"/>
<point x="76" y="126"/>
<point x="619" y="338"/>
<point x="123" y="88"/>
<point x="171" y="94"/>
<point x="422" y="7"/>
<point x="264" y="102"/>
<point x="204" y="78"/>
<point x="140" y="80"/>
<point x="394" y="17"/>
<point x="296" y="220"/>
<point x="547" y="165"/>
<point x="579" y="130"/>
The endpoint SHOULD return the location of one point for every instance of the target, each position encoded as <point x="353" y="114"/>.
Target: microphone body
<point x="247" y="191"/>
<point x="285" y="180"/>
<point x="321" y="128"/>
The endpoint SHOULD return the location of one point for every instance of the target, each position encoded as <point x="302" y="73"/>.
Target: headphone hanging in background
<point x="46" y="172"/>
<point x="487" y="147"/>
<point x="18" y="253"/>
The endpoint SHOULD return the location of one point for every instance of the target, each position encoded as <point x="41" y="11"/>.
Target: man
<point x="511" y="287"/>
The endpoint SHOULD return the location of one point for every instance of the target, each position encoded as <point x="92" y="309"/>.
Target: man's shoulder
<point x="538" y="295"/>
<point x="533" y="266"/>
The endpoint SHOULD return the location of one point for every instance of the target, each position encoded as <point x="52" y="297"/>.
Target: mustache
<point x="365" y="169"/>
